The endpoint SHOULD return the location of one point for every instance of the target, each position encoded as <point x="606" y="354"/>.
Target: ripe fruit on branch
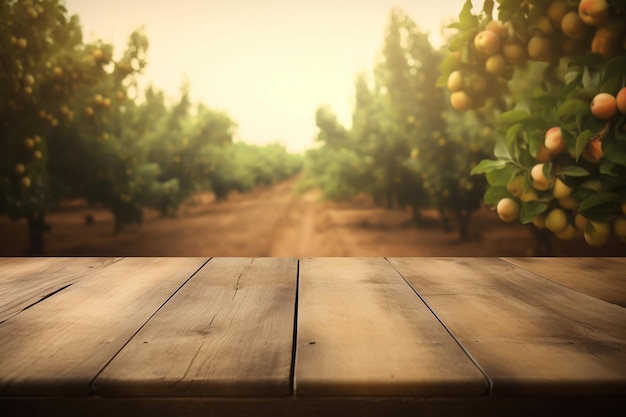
<point x="25" y="182"/>
<point x="29" y="80"/>
<point x="593" y="151"/>
<point x="620" y="100"/>
<point x="515" y="53"/>
<point x="29" y="143"/>
<point x="619" y="228"/>
<point x="568" y="233"/>
<point x="498" y="28"/>
<point x="604" y="106"/>
<point x="455" y="81"/>
<point x="487" y="42"/>
<point x="543" y="26"/>
<point x="540" y="181"/>
<point x="540" y="48"/>
<point x="462" y="101"/>
<point x="37" y="155"/>
<point x="57" y="71"/>
<point x="609" y="37"/>
<point x="561" y="190"/>
<point x="597" y="233"/>
<point x="20" y="169"/>
<point x="516" y="186"/>
<point x="556" y="220"/>
<point x="554" y="142"/>
<point x="508" y="209"/>
<point x="556" y="11"/>
<point x="496" y="65"/>
<point x="573" y="27"/>
<point x="21" y="43"/>
<point x="593" y="12"/>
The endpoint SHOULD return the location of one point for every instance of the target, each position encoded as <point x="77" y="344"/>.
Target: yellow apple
<point x="553" y="141"/>
<point x="540" y="48"/>
<point x="573" y="27"/>
<point x="487" y="42"/>
<point x="556" y="220"/>
<point x="560" y="189"/>
<point x="597" y="233"/>
<point x="604" y="106"/>
<point x="496" y="65"/>
<point x="508" y="209"/>
<point x="462" y="101"/>
<point x="516" y="186"/>
<point x="568" y="233"/>
<point x="619" y="228"/>
<point x="580" y="221"/>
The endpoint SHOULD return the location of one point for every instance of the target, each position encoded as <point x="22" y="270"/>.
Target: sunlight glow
<point x="267" y="64"/>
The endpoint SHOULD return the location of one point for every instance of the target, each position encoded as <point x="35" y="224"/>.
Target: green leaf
<point x="530" y="210"/>
<point x="612" y="169"/>
<point x="615" y="68"/>
<point x="449" y="64"/>
<point x="488" y="8"/>
<point x="599" y="199"/>
<point x="513" y="116"/>
<point x="488" y="165"/>
<point x="501" y="176"/>
<point x="615" y="150"/>
<point x="501" y="150"/>
<point x="495" y="194"/>
<point x="581" y="142"/>
<point x="573" y="171"/>
<point x="573" y="107"/>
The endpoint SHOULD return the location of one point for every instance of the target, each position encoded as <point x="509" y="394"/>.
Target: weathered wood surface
<point x="531" y="336"/>
<point x="59" y="346"/>
<point x="363" y="332"/>
<point x="319" y="336"/>
<point x="603" y="278"/>
<point x="25" y="281"/>
<point x="228" y="332"/>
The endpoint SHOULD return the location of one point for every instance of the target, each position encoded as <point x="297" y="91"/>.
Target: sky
<point x="269" y="64"/>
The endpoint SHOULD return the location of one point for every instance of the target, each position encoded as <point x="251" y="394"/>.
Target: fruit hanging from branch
<point x="561" y="143"/>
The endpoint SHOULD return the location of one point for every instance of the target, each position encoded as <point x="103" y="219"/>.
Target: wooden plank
<point x="25" y="281"/>
<point x="228" y="332"/>
<point x="603" y="278"/>
<point x="530" y="335"/>
<point x="58" y="346"/>
<point x="362" y="331"/>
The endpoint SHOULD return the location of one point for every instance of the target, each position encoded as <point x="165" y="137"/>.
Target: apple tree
<point x="559" y="162"/>
<point x="37" y="38"/>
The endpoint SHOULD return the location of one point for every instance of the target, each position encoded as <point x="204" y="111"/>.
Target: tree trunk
<point x="417" y="215"/>
<point x="36" y="229"/>
<point x="463" y="217"/>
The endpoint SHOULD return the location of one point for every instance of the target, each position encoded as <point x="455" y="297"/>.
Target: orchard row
<point x="73" y="123"/>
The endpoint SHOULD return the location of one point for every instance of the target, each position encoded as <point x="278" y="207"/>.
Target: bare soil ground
<point x="273" y="221"/>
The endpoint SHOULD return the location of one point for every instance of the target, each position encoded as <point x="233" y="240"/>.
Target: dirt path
<point x="274" y="222"/>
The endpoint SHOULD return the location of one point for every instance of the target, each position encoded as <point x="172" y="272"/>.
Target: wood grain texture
<point x="603" y="278"/>
<point x="531" y="335"/>
<point x="25" y="281"/>
<point x="362" y="331"/>
<point x="228" y="332"/>
<point x="58" y="346"/>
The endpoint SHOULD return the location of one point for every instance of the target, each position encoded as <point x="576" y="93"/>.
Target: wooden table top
<point x="311" y="336"/>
